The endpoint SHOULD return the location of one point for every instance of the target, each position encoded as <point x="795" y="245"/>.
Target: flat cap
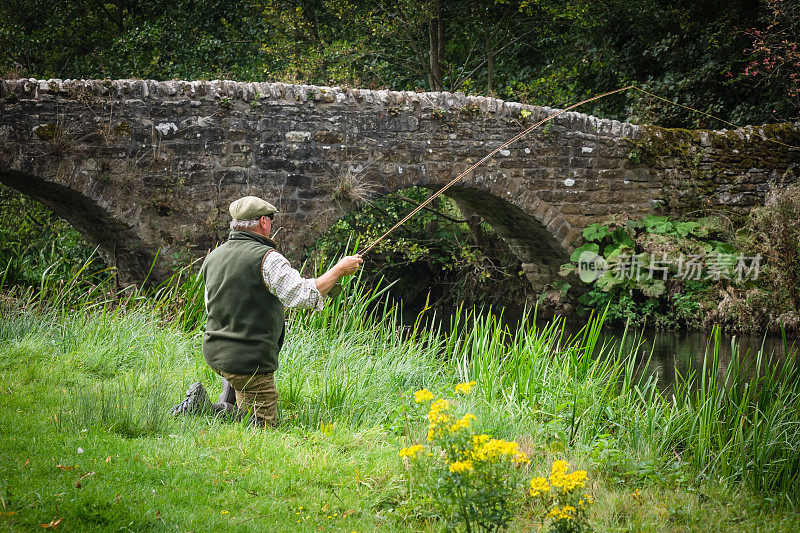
<point x="251" y="208"/>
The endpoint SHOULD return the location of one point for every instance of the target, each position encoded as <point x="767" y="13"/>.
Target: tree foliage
<point x="735" y="59"/>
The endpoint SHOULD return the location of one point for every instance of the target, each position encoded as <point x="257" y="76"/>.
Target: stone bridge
<point x="140" y="166"/>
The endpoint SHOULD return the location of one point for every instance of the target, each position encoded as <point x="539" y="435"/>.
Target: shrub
<point x="472" y="478"/>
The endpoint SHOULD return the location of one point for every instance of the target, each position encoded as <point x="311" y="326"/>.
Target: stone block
<point x="298" y="136"/>
<point x="299" y="180"/>
<point x="236" y="160"/>
<point x="327" y="137"/>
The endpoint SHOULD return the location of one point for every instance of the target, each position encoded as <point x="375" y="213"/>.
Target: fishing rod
<point x="522" y="134"/>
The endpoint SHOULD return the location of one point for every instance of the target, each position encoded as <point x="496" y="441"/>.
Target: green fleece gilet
<point x="244" y="328"/>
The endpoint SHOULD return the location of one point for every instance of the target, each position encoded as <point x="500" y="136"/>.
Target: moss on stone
<point x="695" y="163"/>
<point x="123" y="128"/>
<point x="47" y="132"/>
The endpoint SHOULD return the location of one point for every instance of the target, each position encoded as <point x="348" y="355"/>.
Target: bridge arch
<point x="537" y="233"/>
<point x="118" y="243"/>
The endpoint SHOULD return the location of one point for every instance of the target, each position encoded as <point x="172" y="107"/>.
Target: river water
<point x="668" y="354"/>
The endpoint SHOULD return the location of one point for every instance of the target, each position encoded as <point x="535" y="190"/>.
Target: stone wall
<point x="139" y="165"/>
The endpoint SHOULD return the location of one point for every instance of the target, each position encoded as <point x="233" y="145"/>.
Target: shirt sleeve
<point x="288" y="285"/>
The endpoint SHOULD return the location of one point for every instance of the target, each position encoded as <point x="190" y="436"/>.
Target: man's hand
<point x="349" y="264"/>
<point x="344" y="267"/>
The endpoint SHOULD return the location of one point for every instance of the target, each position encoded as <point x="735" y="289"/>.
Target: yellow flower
<point x="412" y="451"/>
<point x="521" y="458"/>
<point x="461" y="466"/>
<point x="464" y="388"/>
<point x="438" y="418"/>
<point x="423" y="395"/>
<point x="478" y="440"/>
<point x="462" y="423"/>
<point x="565" y="513"/>
<point x="566" y="482"/>
<point x="539" y="486"/>
<point x="559" y="467"/>
<point x="574" y="480"/>
<point x="491" y="450"/>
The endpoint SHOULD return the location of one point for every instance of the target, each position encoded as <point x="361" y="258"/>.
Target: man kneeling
<point x="247" y="286"/>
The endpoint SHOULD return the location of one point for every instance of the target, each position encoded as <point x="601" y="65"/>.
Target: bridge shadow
<point x="540" y="251"/>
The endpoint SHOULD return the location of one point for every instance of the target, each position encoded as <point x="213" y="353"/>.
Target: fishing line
<point x="525" y="132"/>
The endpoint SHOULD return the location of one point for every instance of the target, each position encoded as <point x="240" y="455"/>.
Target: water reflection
<point x="668" y="354"/>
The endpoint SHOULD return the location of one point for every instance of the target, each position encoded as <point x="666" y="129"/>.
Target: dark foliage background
<point x="737" y="59"/>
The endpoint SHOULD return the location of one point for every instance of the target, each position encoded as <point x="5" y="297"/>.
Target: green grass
<point x="80" y="370"/>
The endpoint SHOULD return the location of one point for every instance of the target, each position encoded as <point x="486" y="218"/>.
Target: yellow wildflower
<point x="438" y="418"/>
<point x="412" y="451"/>
<point x="462" y="423"/>
<point x="567" y="513"/>
<point x="559" y="467"/>
<point x="521" y="458"/>
<point x="567" y="482"/>
<point x="575" y="480"/>
<point x="423" y="395"/>
<point x="464" y="388"/>
<point x="496" y="449"/>
<point x="539" y="486"/>
<point x="437" y="408"/>
<point x="461" y="466"/>
<point x="478" y="440"/>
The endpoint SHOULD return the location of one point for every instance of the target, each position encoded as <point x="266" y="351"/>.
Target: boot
<point x="227" y="410"/>
<point x="226" y="403"/>
<point x="228" y="395"/>
<point x="196" y="401"/>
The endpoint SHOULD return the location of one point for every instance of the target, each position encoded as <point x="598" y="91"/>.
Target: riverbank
<point x="87" y="439"/>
